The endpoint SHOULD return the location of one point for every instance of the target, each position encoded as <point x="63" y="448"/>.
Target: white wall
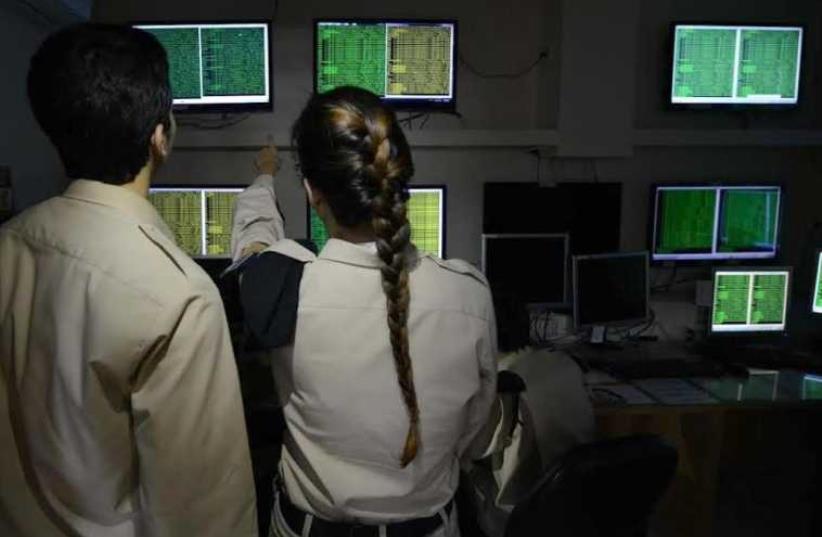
<point x="36" y="170"/>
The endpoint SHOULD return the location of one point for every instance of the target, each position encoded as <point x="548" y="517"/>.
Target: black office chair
<point x="606" y="488"/>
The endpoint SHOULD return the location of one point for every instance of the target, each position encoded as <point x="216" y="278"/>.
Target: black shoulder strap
<point x="269" y="293"/>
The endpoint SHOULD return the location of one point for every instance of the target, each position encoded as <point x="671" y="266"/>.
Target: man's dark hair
<point x="98" y="92"/>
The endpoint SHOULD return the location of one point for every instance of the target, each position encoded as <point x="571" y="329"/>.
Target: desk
<point x="744" y="429"/>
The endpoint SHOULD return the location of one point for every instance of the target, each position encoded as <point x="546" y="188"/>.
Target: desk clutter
<point x="684" y="385"/>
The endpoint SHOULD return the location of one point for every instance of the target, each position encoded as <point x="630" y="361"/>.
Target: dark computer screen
<point x="610" y="289"/>
<point x="407" y="63"/>
<point x="589" y="212"/>
<point x="219" y="66"/>
<point x="736" y="65"/>
<point x="529" y="268"/>
<point x="694" y="223"/>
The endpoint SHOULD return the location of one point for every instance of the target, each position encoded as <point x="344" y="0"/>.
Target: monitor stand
<point x="599" y="339"/>
<point x="599" y="335"/>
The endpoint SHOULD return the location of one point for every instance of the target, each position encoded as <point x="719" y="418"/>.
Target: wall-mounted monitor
<point x="408" y="63"/>
<point x="426" y="214"/>
<point x="217" y="67"/>
<point x="531" y="268"/>
<point x="715" y="223"/>
<point x="525" y="208"/>
<point x="736" y="65"/>
<point x="750" y="300"/>
<point x="200" y="217"/>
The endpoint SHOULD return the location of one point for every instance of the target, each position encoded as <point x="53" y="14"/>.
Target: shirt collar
<point x="121" y="199"/>
<point x="357" y="254"/>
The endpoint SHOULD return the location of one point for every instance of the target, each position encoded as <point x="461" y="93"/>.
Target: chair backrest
<point x="598" y="489"/>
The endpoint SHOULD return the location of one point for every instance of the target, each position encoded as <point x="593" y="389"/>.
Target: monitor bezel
<point x="751" y="333"/>
<point x="713" y="259"/>
<point x="817" y="271"/>
<point x="178" y="187"/>
<point x="741" y="107"/>
<point x="225" y="108"/>
<point x="414" y="105"/>
<point x="566" y="256"/>
<point x="444" y="216"/>
<point x="623" y="322"/>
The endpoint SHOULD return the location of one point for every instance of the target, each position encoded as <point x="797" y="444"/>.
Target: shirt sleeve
<point x="484" y="416"/>
<point x="257" y="216"/>
<point x="269" y="294"/>
<point x="193" y="457"/>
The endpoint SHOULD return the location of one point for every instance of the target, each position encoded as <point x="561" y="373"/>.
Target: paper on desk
<point x="675" y="391"/>
<point x="595" y="376"/>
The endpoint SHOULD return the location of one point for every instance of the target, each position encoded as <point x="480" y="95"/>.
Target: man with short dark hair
<point x="120" y="408"/>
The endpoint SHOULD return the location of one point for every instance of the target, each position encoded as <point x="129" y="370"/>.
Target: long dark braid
<point x="351" y="148"/>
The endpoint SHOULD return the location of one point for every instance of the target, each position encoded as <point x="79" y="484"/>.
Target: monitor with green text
<point x="750" y="300"/>
<point x="736" y="65"/>
<point x="199" y="217"/>
<point x="426" y="214"/>
<point x="408" y="63"/>
<point x="715" y="223"/>
<point x="816" y="300"/>
<point x="217" y="66"/>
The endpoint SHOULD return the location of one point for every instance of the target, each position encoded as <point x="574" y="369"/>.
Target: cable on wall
<point x="504" y="76"/>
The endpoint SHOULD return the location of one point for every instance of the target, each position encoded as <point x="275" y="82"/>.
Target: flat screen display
<point x="410" y="64"/>
<point x="426" y="214"/>
<point x="736" y="65"/>
<point x="750" y="300"/>
<point x="817" y="289"/>
<point x="220" y="66"/>
<point x="693" y="223"/>
<point x="200" y="218"/>
<point x="531" y="269"/>
<point x="610" y="289"/>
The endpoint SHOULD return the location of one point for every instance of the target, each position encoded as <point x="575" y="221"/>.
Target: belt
<point x="418" y="527"/>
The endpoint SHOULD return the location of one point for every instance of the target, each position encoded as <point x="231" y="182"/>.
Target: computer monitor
<point x="531" y="268"/>
<point x="736" y="65"/>
<point x="610" y="289"/>
<point x="409" y="63"/>
<point x="716" y="223"/>
<point x="518" y="207"/>
<point x="816" y="300"/>
<point x="811" y="388"/>
<point x="750" y="300"/>
<point x="426" y="214"/>
<point x="217" y="67"/>
<point x="200" y="217"/>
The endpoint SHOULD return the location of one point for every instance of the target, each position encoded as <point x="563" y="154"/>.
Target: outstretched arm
<point x="257" y="219"/>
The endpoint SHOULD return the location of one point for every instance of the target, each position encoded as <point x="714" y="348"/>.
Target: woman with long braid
<point x="383" y="357"/>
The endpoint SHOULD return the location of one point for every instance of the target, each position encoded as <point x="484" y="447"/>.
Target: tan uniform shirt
<point x="120" y="408"/>
<point x="346" y="419"/>
<point x="555" y="415"/>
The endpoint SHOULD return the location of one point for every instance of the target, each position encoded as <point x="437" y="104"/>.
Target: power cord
<point x="504" y="76"/>
<point x="225" y="121"/>
<point x="408" y="120"/>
